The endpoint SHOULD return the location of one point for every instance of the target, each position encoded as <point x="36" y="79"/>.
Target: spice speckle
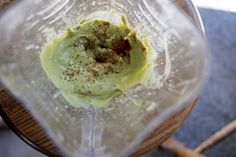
<point x="95" y="61"/>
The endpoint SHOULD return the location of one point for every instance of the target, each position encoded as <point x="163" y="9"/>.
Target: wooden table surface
<point x="25" y="126"/>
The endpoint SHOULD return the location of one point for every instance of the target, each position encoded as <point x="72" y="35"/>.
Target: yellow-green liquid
<point x="95" y="61"/>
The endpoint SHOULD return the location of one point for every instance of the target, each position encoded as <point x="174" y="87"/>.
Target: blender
<point x="179" y="57"/>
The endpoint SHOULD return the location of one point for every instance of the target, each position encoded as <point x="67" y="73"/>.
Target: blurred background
<point x="217" y="104"/>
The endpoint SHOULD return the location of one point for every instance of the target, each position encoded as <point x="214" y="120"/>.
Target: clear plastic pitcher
<point x="179" y="67"/>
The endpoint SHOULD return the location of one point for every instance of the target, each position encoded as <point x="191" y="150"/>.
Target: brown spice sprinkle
<point x="119" y="50"/>
<point x="108" y="57"/>
<point x="121" y="47"/>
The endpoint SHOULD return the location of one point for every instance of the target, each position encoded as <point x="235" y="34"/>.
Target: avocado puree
<point x="95" y="61"/>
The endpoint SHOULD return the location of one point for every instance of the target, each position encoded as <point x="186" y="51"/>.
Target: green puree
<point x="95" y="62"/>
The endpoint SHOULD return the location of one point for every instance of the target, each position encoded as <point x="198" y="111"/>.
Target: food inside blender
<point x="95" y="61"/>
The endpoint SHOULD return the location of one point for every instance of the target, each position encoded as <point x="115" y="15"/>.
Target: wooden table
<point x="24" y="125"/>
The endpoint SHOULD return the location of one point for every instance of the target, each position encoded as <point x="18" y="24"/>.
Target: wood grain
<point x="25" y="126"/>
<point x="5" y="3"/>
